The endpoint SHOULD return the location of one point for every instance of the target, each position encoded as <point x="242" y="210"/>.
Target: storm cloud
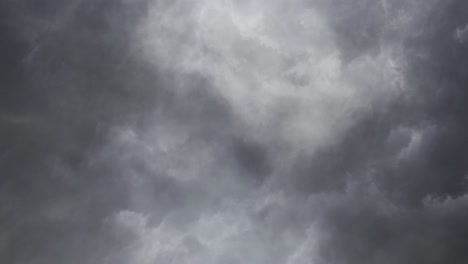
<point x="236" y="131"/>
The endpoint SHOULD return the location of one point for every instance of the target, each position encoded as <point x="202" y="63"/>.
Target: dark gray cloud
<point x="233" y="132"/>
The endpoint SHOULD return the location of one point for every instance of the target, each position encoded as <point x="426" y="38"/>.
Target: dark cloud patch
<point x="253" y="159"/>
<point x="359" y="26"/>
<point x="64" y="84"/>
<point x="364" y="232"/>
<point x="437" y="71"/>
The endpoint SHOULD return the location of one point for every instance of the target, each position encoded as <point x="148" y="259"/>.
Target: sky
<point x="233" y="131"/>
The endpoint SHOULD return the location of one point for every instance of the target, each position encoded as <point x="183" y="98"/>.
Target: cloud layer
<point x="321" y="132"/>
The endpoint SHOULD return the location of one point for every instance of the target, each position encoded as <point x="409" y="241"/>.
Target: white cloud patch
<point x="276" y="63"/>
<point x="228" y="234"/>
<point x="461" y="34"/>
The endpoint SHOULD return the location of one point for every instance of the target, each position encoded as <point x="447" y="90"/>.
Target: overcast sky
<point x="233" y="131"/>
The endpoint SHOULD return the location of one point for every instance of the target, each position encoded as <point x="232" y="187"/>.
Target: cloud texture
<point x="235" y="131"/>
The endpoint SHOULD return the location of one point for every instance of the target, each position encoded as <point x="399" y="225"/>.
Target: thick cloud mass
<point x="236" y="131"/>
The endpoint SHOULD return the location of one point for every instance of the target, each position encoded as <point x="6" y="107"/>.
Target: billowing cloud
<point x="236" y="131"/>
